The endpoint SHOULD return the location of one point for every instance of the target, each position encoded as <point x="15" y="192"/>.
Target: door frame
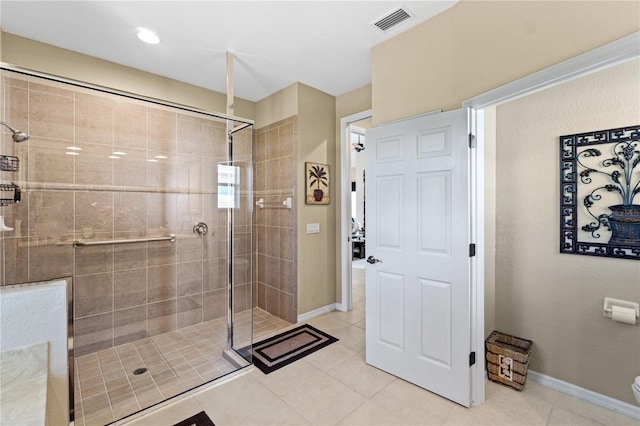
<point x="617" y="52"/>
<point x="345" y="251"/>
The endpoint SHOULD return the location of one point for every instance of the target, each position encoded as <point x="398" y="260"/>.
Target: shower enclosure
<point x="148" y="207"/>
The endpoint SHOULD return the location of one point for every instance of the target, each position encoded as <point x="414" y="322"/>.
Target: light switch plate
<point x="313" y="228"/>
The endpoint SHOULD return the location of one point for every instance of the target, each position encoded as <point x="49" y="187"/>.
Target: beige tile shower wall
<point x="275" y="159"/>
<point x="165" y="183"/>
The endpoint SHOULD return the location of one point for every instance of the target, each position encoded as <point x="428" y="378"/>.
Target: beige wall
<point x="477" y="46"/>
<point x="556" y="299"/>
<point x="314" y="113"/>
<point x="352" y="102"/>
<point x="66" y="63"/>
<point x="316" y="252"/>
<point x="277" y="106"/>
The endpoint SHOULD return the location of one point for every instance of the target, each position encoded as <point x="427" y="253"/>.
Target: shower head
<point x="18" y="136"/>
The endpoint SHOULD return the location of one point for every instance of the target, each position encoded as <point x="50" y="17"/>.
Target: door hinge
<point x="472" y="140"/>
<point x="472" y="359"/>
<point x="472" y="250"/>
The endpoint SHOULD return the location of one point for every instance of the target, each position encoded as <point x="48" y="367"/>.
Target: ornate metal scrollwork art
<point x="600" y="193"/>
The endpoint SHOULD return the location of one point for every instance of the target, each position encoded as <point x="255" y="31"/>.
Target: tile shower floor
<point x="107" y="389"/>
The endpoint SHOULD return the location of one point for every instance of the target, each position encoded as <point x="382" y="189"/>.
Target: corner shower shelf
<point x="9" y="187"/>
<point x="9" y="163"/>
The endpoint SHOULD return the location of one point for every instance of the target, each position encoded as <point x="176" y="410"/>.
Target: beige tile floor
<point x="336" y="386"/>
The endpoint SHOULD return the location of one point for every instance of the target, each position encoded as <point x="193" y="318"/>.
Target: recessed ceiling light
<point x="161" y="156"/>
<point x="148" y="36"/>
<point x="119" y="153"/>
<point x="115" y="157"/>
<point x="74" y="148"/>
<point x="71" y="153"/>
<point x="152" y="160"/>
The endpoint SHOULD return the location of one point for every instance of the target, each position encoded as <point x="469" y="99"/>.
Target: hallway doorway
<point x="353" y="212"/>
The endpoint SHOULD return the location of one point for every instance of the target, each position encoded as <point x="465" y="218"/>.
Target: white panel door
<point x="418" y="312"/>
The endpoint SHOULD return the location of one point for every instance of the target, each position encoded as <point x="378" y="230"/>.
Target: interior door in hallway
<point x="418" y="312"/>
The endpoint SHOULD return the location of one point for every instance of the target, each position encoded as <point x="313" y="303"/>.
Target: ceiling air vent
<point x="393" y="18"/>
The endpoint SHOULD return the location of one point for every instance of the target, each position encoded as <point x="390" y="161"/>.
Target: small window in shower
<point x="228" y="186"/>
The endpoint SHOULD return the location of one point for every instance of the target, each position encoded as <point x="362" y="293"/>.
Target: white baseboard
<point x="317" y="312"/>
<point x="587" y="395"/>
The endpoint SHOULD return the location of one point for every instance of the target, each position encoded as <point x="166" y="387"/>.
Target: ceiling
<point x="324" y="44"/>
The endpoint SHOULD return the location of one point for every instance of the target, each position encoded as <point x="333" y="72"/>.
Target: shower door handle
<point x="17" y="194"/>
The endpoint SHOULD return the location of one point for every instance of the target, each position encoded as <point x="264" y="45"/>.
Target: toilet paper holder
<point x="610" y="302"/>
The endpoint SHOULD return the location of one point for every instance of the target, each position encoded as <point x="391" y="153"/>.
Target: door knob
<point x="373" y="260"/>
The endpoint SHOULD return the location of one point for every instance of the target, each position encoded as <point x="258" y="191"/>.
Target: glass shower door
<point x="113" y="190"/>
<point x="235" y="193"/>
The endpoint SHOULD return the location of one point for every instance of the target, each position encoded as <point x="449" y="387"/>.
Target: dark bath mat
<point x="277" y="351"/>
<point x="200" y="419"/>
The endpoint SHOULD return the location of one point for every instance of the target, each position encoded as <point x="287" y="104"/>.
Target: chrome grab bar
<point x="80" y="243"/>
<point x="286" y="204"/>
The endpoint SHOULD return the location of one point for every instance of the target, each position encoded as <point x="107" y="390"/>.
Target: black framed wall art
<point x="600" y="193"/>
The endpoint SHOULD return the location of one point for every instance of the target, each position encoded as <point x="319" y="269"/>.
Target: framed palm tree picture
<point x="317" y="183"/>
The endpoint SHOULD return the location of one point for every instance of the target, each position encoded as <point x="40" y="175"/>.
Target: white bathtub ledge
<point x="23" y="385"/>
